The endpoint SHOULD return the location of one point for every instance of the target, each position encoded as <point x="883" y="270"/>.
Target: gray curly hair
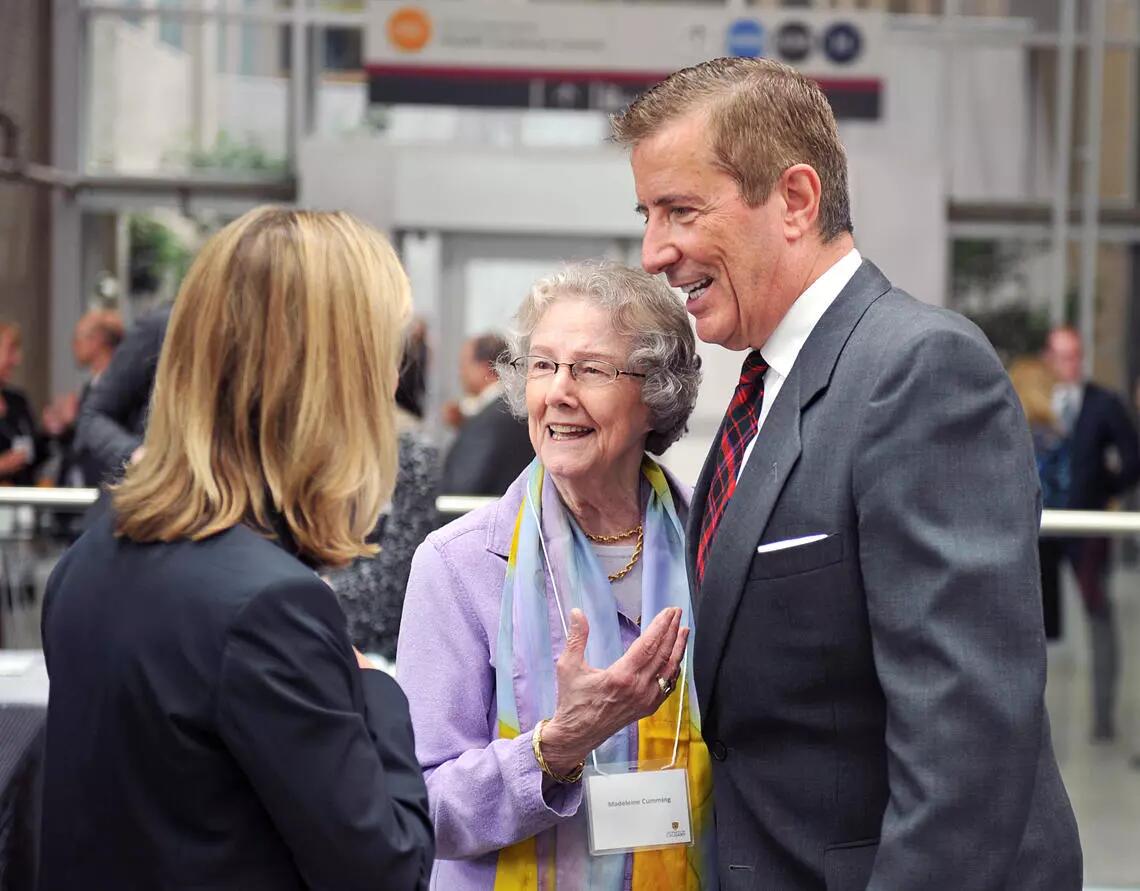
<point x="640" y="307"/>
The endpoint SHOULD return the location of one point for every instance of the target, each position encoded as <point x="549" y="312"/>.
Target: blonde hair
<point x="275" y="389"/>
<point x="763" y="118"/>
<point x="1033" y="382"/>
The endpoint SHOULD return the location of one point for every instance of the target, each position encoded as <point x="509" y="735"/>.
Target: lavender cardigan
<point x="485" y="793"/>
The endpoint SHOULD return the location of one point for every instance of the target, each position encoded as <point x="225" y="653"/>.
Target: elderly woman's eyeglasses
<point x="588" y="372"/>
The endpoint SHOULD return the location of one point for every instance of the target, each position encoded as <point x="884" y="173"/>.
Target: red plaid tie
<point x="738" y="430"/>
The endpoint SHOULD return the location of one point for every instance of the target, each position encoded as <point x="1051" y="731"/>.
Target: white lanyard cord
<point x="566" y="634"/>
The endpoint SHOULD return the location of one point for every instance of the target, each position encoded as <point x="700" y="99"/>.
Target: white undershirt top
<point x="784" y="345"/>
<point x="626" y="590"/>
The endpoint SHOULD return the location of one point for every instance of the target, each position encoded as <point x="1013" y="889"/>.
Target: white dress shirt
<point x="784" y="345"/>
<point x="1067" y="399"/>
<point x="470" y="406"/>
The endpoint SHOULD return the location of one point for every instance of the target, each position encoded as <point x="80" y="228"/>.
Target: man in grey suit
<point x="492" y="446"/>
<point x="869" y="656"/>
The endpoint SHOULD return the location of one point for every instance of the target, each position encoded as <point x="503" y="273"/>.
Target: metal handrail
<point x="76" y="500"/>
<point x="455" y="505"/>
<point x="1053" y="522"/>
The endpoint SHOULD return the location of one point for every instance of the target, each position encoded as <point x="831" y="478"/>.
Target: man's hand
<point x="363" y="661"/>
<point x="593" y="704"/>
<point x="13" y="461"/>
<point x="452" y="414"/>
<point x="60" y="414"/>
<point x="51" y="421"/>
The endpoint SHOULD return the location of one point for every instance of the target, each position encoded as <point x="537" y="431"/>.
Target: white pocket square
<point x="789" y="543"/>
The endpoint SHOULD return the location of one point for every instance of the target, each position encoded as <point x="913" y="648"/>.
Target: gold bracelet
<point x="536" y="744"/>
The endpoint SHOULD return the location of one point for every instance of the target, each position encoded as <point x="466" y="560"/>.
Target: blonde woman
<point x="210" y="725"/>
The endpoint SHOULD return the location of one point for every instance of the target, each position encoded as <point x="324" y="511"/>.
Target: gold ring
<point x="666" y="686"/>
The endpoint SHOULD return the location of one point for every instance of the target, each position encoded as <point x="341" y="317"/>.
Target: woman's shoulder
<point x="488" y="527"/>
<point x="232" y="566"/>
<point x="467" y="535"/>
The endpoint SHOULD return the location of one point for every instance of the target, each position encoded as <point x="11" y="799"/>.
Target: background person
<point x="371" y="590"/>
<point x="1096" y="459"/>
<point x="21" y="446"/>
<point x="113" y="418"/>
<point x="97" y="336"/>
<point x="492" y="446"/>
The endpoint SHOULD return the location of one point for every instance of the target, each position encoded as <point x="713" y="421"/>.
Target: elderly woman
<point x="548" y="629"/>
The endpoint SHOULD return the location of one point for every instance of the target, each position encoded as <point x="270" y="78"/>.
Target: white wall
<point x="140" y="98"/>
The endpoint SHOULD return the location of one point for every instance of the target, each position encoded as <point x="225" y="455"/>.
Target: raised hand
<point x="593" y="704"/>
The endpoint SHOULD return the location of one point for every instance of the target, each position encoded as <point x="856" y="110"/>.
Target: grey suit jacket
<point x="873" y="701"/>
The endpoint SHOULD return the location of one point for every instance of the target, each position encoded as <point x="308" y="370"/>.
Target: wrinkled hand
<point x="593" y="704"/>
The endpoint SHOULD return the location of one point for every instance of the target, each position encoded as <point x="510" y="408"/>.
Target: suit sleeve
<point x="121" y="391"/>
<point x="948" y="511"/>
<point x="326" y="745"/>
<point x="469" y="464"/>
<point x="1122" y="433"/>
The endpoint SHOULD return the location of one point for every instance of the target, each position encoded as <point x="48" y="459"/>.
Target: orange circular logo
<point x="409" y="29"/>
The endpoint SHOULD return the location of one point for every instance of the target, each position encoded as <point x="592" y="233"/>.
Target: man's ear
<point x="801" y="189"/>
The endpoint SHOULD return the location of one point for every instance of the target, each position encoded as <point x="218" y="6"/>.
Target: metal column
<point x="1062" y="161"/>
<point x="1090" y="198"/>
<point x="69" y="114"/>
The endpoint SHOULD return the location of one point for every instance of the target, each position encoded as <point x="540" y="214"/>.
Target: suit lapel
<point x="775" y="454"/>
<point x="742" y="525"/>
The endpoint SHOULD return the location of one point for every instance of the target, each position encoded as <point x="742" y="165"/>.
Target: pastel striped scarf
<point x="530" y="631"/>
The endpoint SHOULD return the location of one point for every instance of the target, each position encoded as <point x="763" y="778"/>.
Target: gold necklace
<point x="610" y="539"/>
<point x="624" y="571"/>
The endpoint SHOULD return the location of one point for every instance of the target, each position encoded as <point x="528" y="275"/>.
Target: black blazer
<point x="1102" y="426"/>
<point x="208" y="727"/>
<point x="112" y="419"/>
<point x="492" y="448"/>
<point x="72" y="457"/>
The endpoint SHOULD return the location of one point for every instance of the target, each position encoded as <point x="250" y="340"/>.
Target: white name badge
<point x="629" y="809"/>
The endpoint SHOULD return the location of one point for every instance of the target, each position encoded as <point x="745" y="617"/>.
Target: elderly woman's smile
<point x="563" y="432"/>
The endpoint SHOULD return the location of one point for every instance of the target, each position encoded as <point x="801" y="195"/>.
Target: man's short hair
<point x="108" y="324"/>
<point x="488" y="348"/>
<point x="764" y="117"/>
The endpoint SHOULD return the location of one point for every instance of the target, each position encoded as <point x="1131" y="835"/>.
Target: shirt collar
<point x="486" y="396"/>
<point x="784" y="344"/>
